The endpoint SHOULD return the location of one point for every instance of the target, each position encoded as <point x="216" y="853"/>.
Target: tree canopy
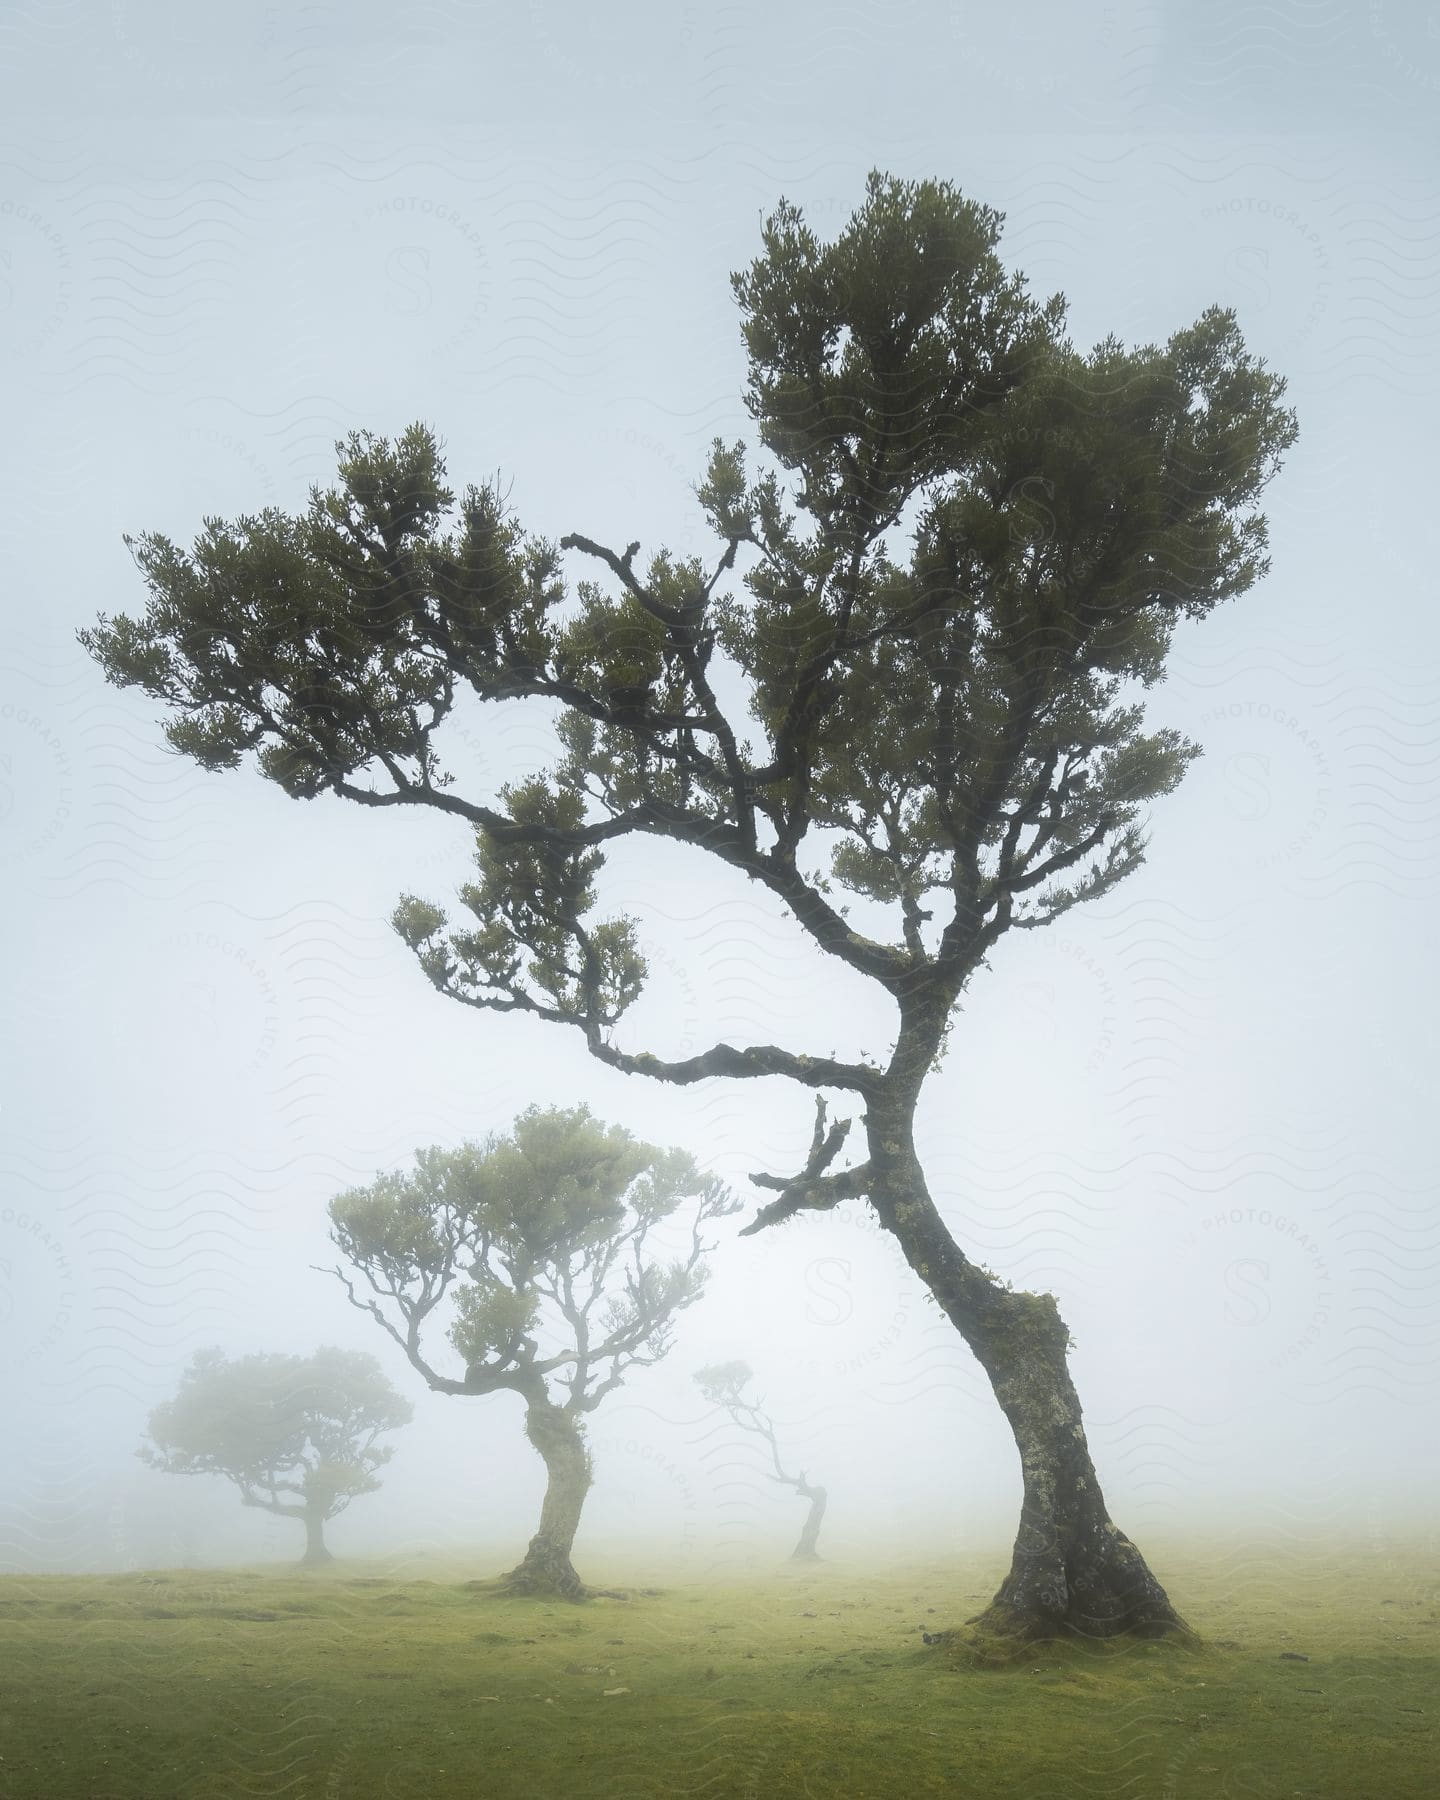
<point x="544" y="1249"/>
<point x="963" y="565"/>
<point x="540" y="1247"/>
<point x="294" y="1433"/>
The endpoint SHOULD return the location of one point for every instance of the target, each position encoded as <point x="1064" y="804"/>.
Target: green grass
<point x="350" y="1684"/>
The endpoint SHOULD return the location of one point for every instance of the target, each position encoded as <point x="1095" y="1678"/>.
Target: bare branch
<point x="409" y="1342"/>
<point x="812" y="1190"/>
<point x="752" y="1062"/>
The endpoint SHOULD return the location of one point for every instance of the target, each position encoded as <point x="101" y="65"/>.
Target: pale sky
<point x="1195" y="1111"/>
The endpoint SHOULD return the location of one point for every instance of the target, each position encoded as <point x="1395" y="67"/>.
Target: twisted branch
<point x="812" y="1190"/>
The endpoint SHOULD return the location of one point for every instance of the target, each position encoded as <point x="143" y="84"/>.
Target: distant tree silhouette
<point x="296" y="1434"/>
<point x="724" y="1384"/>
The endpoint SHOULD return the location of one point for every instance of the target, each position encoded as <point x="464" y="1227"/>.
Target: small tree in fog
<point x="725" y="1384"/>
<point x="541" y="1244"/>
<point x="296" y="1434"/>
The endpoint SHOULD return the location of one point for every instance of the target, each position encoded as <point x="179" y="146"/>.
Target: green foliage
<point x="539" y="1242"/>
<point x="320" y="641"/>
<point x="902" y="333"/>
<point x="960" y="568"/>
<point x="292" y="1432"/>
<point x="492" y="1321"/>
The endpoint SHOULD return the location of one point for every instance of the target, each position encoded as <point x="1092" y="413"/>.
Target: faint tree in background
<point x="724" y="1384"/>
<point x="922" y="706"/>
<point x="541" y="1247"/>
<point x="296" y="1434"/>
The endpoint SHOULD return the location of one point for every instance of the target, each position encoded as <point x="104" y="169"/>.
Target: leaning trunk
<point x="805" y="1550"/>
<point x="546" y="1567"/>
<point x="315" y="1551"/>
<point x="1073" y="1571"/>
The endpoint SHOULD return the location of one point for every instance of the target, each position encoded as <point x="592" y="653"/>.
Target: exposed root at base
<point x="525" y="1585"/>
<point x="518" y="1585"/>
<point x="1000" y="1637"/>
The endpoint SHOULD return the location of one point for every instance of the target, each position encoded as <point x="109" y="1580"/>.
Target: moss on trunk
<point x="1072" y="1571"/>
<point x="546" y="1567"/>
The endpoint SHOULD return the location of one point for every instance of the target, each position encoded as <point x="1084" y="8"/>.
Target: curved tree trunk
<point x="546" y="1567"/>
<point x="1072" y="1571"/>
<point x="805" y="1550"/>
<point x="315" y="1550"/>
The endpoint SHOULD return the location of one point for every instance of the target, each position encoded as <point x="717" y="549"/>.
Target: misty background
<point x="1196" y="1112"/>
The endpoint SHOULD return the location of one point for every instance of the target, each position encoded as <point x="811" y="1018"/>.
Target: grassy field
<point x="351" y="1684"/>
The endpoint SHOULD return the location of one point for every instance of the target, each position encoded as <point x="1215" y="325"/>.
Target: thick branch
<point x="752" y="1062"/>
<point x="480" y="1378"/>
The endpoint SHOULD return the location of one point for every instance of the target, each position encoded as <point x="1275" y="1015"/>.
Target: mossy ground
<point x="350" y="1683"/>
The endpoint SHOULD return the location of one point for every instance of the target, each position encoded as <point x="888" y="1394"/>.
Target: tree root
<point x="1003" y="1635"/>
<point x="531" y="1584"/>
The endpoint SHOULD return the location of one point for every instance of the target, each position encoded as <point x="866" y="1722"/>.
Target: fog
<point x="1194" y="1111"/>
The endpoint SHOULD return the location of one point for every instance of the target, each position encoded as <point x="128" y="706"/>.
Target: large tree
<point x="727" y="1384"/>
<point x="296" y="1434"/>
<point x="540" y="1248"/>
<point x="960" y="568"/>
